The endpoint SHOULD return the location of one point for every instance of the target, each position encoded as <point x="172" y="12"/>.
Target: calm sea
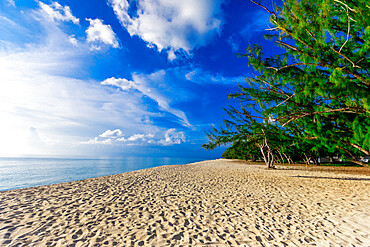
<point x="16" y="173"/>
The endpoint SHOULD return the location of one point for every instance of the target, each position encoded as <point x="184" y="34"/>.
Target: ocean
<point x="17" y="173"/>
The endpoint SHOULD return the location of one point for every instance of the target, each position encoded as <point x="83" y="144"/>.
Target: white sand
<point x="211" y="203"/>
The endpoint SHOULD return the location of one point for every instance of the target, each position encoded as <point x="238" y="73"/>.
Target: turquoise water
<point x="17" y="173"/>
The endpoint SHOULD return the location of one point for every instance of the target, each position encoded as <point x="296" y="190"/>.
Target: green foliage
<point x="242" y="150"/>
<point x="317" y="92"/>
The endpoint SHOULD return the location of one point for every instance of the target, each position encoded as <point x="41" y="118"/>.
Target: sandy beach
<point x="210" y="203"/>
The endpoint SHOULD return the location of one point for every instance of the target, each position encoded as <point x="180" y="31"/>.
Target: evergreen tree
<point x="317" y="92"/>
<point x="326" y="67"/>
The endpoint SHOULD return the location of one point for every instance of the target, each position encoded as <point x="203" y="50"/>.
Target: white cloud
<point x="142" y="137"/>
<point x="111" y="138"/>
<point x="64" y="110"/>
<point x="164" y="138"/>
<point x="171" y="24"/>
<point x="121" y="83"/>
<point x="136" y="137"/>
<point x="149" y="136"/>
<point x="57" y="12"/>
<point x="8" y="22"/>
<point x="34" y="140"/>
<point x="190" y="75"/>
<point x="145" y="84"/>
<point x="171" y="55"/>
<point x="43" y="103"/>
<point x="172" y="136"/>
<point x="11" y="2"/>
<point x="96" y="141"/>
<point x="112" y="133"/>
<point x="73" y="40"/>
<point x="202" y="77"/>
<point x="98" y="32"/>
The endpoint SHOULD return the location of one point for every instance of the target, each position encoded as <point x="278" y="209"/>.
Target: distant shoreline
<point x="19" y="172"/>
<point x="214" y="202"/>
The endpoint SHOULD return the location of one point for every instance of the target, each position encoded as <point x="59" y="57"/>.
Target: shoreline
<point x="18" y="173"/>
<point x="217" y="202"/>
<point x="299" y="167"/>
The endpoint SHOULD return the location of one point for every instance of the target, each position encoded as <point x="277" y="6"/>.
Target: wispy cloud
<point x="199" y="76"/>
<point x="58" y="12"/>
<point x="11" y="2"/>
<point x="146" y="85"/>
<point x="259" y="22"/>
<point x="42" y="102"/>
<point x="234" y="43"/>
<point x="175" y="25"/>
<point x="50" y="103"/>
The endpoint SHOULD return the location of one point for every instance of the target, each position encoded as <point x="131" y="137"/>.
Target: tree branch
<point x="353" y="10"/>
<point x="276" y="88"/>
<point x="269" y="11"/>
<point x="245" y="114"/>
<point x="292" y="65"/>
<point x="284" y="101"/>
<point x="340" y="54"/>
<point x="349" y="26"/>
<point x="358" y="76"/>
<point x="346" y="110"/>
<point x="358" y="147"/>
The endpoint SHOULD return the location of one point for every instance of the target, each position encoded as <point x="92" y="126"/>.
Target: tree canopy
<point x="313" y="98"/>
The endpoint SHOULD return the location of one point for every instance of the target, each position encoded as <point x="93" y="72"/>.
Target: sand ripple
<point x="212" y="203"/>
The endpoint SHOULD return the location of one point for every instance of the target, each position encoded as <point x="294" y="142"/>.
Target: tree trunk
<point x="278" y="159"/>
<point x="354" y="159"/>
<point x="290" y="161"/>
<point x="307" y="159"/>
<point x="262" y="148"/>
<point x="271" y="158"/>
<point x="281" y="156"/>
<point x="268" y="157"/>
<point x="359" y="163"/>
<point x="366" y="152"/>
<point x="253" y="158"/>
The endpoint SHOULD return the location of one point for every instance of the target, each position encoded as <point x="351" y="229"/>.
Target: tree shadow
<point x="345" y="178"/>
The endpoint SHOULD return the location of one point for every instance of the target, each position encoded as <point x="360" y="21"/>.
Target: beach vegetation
<point x="312" y="99"/>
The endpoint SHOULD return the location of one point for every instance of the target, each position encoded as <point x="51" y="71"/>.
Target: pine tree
<point x="323" y="77"/>
<point x="317" y="92"/>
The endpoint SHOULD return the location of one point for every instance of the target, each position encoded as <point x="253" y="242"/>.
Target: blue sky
<point x="115" y="78"/>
